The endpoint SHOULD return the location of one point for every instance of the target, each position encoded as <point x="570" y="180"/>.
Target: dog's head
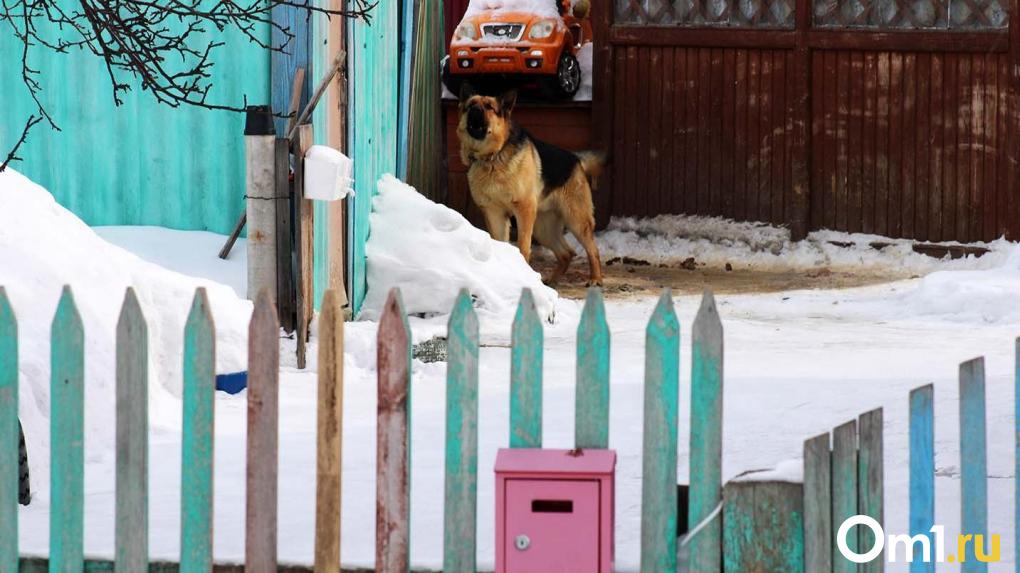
<point x="484" y="120"/>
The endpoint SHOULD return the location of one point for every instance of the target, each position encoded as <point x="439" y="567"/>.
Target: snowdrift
<point x="430" y="252"/>
<point x="43" y="247"/>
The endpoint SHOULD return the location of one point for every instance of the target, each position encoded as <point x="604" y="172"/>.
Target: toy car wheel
<point x="567" y="80"/>
<point x="451" y="82"/>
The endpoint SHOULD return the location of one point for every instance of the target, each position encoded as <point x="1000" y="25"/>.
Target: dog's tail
<point x="593" y="162"/>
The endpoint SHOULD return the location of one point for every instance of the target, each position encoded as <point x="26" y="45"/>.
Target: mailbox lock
<point x="522" y="542"/>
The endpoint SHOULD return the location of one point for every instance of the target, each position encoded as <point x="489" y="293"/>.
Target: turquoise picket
<point x="870" y="483"/>
<point x="197" y="445"/>
<point x="844" y="489"/>
<point x="922" y="470"/>
<point x="461" y="487"/>
<point x="132" y="491"/>
<point x="526" y="376"/>
<point x="67" y="411"/>
<point x="591" y="409"/>
<point x="8" y="436"/>
<point x="659" y="451"/>
<point x="973" y="462"/>
<point x="706" y="436"/>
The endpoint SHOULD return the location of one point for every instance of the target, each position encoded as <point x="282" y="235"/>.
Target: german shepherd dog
<point x="510" y="173"/>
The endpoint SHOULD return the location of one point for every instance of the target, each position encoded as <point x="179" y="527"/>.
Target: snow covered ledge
<point x="431" y="252"/>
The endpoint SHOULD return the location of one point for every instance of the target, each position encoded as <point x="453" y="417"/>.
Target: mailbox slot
<point x="552" y="506"/>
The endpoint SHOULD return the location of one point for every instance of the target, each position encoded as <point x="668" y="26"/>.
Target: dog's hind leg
<point x="498" y="223"/>
<point x="549" y="230"/>
<point x="584" y="231"/>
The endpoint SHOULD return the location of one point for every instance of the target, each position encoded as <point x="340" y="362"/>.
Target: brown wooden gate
<point x="894" y="117"/>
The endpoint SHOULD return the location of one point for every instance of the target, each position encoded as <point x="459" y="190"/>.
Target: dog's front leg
<point x="525" y="211"/>
<point x="498" y="223"/>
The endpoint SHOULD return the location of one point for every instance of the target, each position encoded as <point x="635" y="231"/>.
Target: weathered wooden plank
<point x="263" y="441"/>
<point x="764" y="527"/>
<point x="284" y="239"/>
<point x="132" y="510"/>
<point x="706" y="435"/>
<point x="844" y="489"/>
<point x="870" y="483"/>
<point x="329" y="439"/>
<point x="9" y="436"/>
<point x="393" y="457"/>
<point x="659" y="450"/>
<point x="922" y="470"/>
<point x="461" y="494"/>
<point x="67" y="393"/>
<point x="197" y="447"/>
<point x="305" y="245"/>
<point x="591" y="410"/>
<point x="973" y="462"/>
<point x="526" y="376"/>
<point x="818" y="534"/>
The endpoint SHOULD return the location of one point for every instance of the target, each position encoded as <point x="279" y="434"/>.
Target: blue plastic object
<point x="232" y="383"/>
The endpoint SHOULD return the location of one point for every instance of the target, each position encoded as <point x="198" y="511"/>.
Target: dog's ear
<point x="507" y="102"/>
<point x="466" y="91"/>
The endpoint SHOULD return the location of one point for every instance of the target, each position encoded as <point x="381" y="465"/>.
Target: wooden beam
<point x="305" y="235"/>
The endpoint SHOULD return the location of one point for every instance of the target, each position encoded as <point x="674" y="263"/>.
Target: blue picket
<point x="8" y="436"/>
<point x="67" y="411"/>
<point x="659" y="449"/>
<point x="132" y="492"/>
<point x="526" y="376"/>
<point x="922" y="470"/>
<point x="973" y="462"/>
<point x="197" y="446"/>
<point x="706" y="436"/>
<point x="591" y="409"/>
<point x="461" y="485"/>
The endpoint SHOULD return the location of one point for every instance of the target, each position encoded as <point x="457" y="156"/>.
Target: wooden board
<point x="8" y="435"/>
<point x="526" y="376"/>
<point x="329" y="434"/>
<point x="263" y="437"/>
<point x="764" y="527"/>
<point x="591" y="409"/>
<point x="818" y="534"/>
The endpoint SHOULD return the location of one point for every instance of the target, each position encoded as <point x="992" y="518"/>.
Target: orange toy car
<point x="514" y="40"/>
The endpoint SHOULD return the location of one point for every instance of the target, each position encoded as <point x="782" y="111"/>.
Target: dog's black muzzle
<point x="477" y="127"/>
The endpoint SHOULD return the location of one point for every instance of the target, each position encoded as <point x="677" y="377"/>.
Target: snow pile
<point x="715" y="241"/>
<point x="44" y="247"/>
<point x="430" y="252"/>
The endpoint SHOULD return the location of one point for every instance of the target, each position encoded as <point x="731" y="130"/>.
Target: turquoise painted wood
<point x="132" y="491"/>
<point x="922" y="470"/>
<point x="284" y="64"/>
<point x="407" y="43"/>
<point x="870" y="484"/>
<point x="706" y="436"/>
<point x="527" y="340"/>
<point x="8" y="435"/>
<point x="591" y="403"/>
<point x="659" y="451"/>
<point x="67" y="411"/>
<point x="844" y="490"/>
<point x="460" y="516"/>
<point x="764" y="527"/>
<point x="973" y="462"/>
<point x="197" y="445"/>
<point x="149" y="164"/>
<point x="818" y="534"/>
<point x="374" y="87"/>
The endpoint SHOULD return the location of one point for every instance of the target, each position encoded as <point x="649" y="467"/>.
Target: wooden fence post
<point x="263" y="436"/>
<point x="67" y="387"/>
<point x="329" y="435"/>
<point x="706" y="436"/>
<point x="8" y="436"/>
<point x="304" y="229"/>
<point x="973" y="462"/>
<point x="818" y="534"/>
<point x="393" y="457"/>
<point x="844" y="490"/>
<point x="526" y="375"/>
<point x="870" y="483"/>
<point x="591" y="403"/>
<point x="461" y="485"/>
<point x="764" y="527"/>
<point x="659" y="451"/>
<point x="197" y="447"/>
<point x="922" y="471"/>
<point x="132" y="491"/>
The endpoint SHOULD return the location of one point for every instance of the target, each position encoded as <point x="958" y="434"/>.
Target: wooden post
<point x="591" y="402"/>
<point x="526" y="375"/>
<point x="304" y="232"/>
<point x="973" y="462"/>
<point x="659" y="449"/>
<point x="818" y="534"/>
<point x="336" y="120"/>
<point x="197" y="447"/>
<point x="461" y="484"/>
<point x="870" y="485"/>
<point x="393" y="457"/>
<point x="263" y="432"/>
<point x="8" y="436"/>
<point x="329" y="438"/>
<point x="602" y="104"/>
<point x="844" y="489"/>
<point x="260" y="207"/>
<point x="132" y="491"/>
<point x="922" y="471"/>
<point x="286" y="297"/>
<point x="67" y="410"/>
<point x="764" y="527"/>
<point x="798" y="215"/>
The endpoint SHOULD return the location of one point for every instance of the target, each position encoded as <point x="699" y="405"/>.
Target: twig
<point x="12" y="155"/>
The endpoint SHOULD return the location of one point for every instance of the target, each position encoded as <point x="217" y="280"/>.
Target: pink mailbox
<point x="554" y="511"/>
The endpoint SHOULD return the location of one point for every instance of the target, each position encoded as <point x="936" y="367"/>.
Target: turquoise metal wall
<point x="140" y="163"/>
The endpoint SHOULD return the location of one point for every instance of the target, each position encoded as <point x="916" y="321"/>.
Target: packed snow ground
<point x="797" y="364"/>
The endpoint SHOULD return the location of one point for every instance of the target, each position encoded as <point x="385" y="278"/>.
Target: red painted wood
<point x="855" y="145"/>
<point x="937" y="153"/>
<point x="923" y="148"/>
<point x="868" y="170"/>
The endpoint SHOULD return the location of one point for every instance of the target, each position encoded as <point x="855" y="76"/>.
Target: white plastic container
<point x="328" y="174"/>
